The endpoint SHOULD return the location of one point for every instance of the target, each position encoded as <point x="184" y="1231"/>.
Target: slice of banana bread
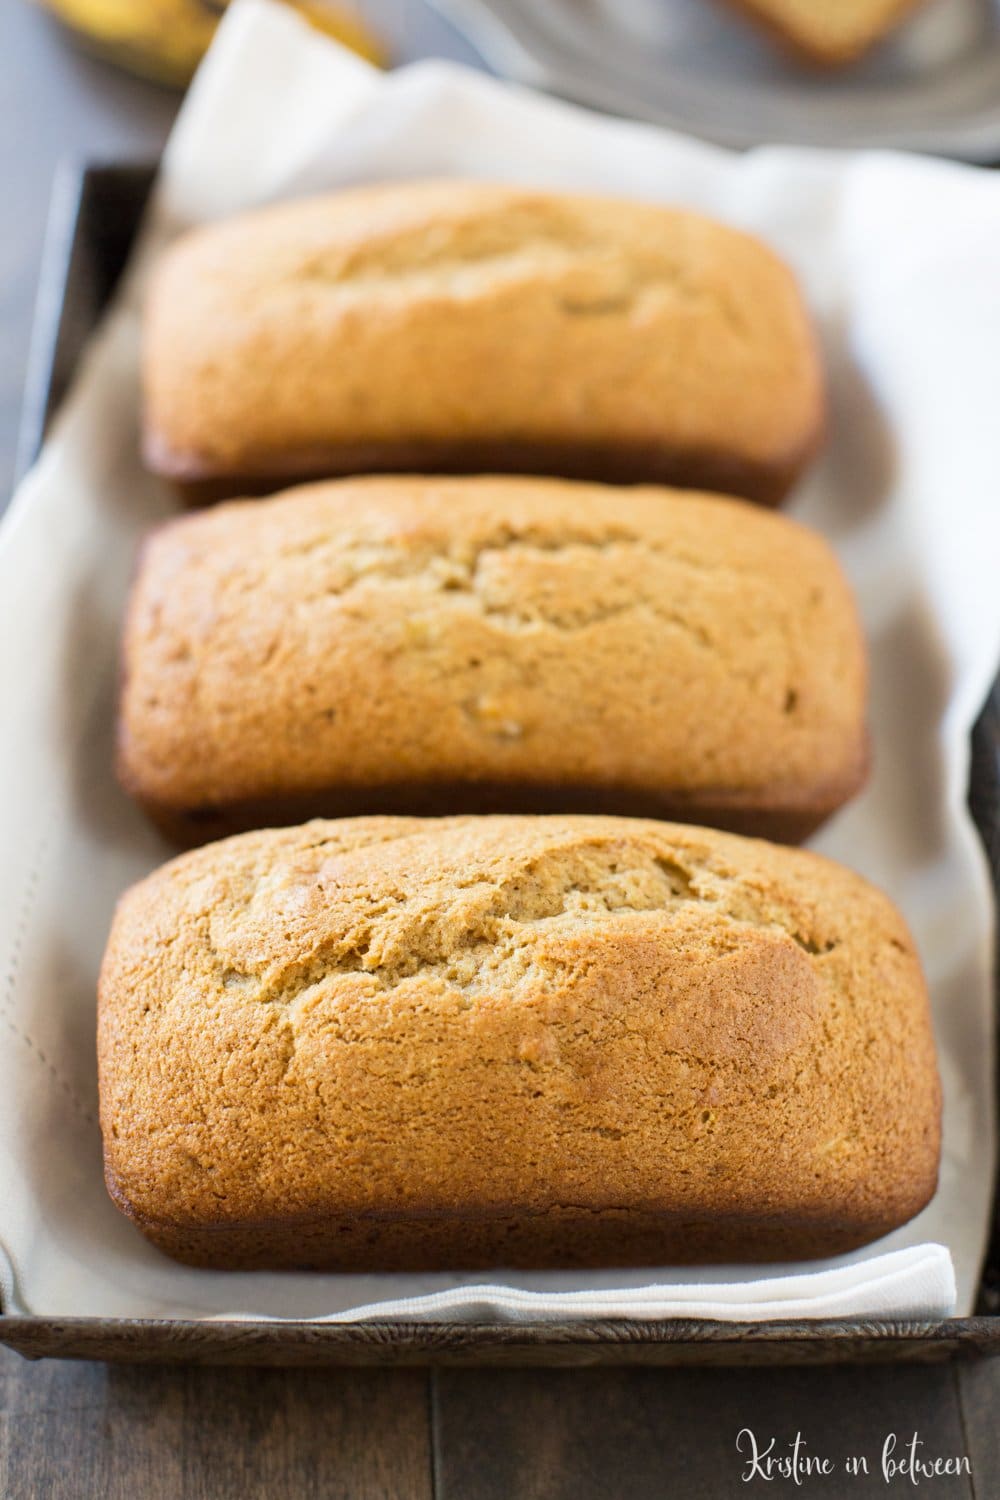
<point x="831" y="33"/>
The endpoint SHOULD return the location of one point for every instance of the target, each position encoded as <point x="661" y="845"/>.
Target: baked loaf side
<point x="475" y="327"/>
<point x="414" y="645"/>
<point x="832" y="34"/>
<point x="533" y="1041"/>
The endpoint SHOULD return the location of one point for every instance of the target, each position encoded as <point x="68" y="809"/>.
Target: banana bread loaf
<point x="831" y="33"/>
<point x="405" y="1043"/>
<point x="475" y="327"/>
<point x="437" y="645"/>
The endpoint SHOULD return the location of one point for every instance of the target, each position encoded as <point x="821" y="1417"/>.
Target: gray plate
<point x="934" y="86"/>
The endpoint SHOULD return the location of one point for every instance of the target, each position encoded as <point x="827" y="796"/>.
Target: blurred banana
<point x="164" y="39"/>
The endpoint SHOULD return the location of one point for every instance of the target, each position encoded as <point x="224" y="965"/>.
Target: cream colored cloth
<point x="898" y="257"/>
<point x="914" y="1283"/>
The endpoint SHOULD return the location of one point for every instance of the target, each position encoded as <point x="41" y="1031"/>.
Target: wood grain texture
<point x="979" y="1397"/>
<point x="673" y="1342"/>
<point x="601" y="1435"/>
<point x="100" y="1432"/>
<point x="97" y="1432"/>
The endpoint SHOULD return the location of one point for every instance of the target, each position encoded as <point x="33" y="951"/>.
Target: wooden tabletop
<point x="103" y="1432"/>
<point x="114" y="1432"/>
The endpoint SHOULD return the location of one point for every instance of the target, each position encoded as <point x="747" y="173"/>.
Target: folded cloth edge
<point x="916" y="1283"/>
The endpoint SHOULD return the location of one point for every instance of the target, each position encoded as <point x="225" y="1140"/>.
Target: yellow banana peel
<point x="165" y="39"/>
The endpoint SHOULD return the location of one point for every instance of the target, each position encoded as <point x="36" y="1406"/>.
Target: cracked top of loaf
<point x="481" y="327"/>
<point x="396" y="1017"/>
<point x="362" y="645"/>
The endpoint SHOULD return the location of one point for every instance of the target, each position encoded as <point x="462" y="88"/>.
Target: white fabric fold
<point x="918" y="1283"/>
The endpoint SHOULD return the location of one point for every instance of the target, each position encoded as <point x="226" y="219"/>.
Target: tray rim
<point x="674" y="1341"/>
<point x="58" y="333"/>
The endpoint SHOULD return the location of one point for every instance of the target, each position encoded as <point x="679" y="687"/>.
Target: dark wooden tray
<point x="93" y="224"/>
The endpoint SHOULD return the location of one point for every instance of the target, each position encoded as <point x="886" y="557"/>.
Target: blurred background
<point x="63" y="103"/>
<point x="101" y="81"/>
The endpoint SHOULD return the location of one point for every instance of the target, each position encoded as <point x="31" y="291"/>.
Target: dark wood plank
<point x="68" y="1430"/>
<point x="979" y="1395"/>
<point x="361" y="1435"/>
<point x="605" y="1434"/>
<point x="106" y="1432"/>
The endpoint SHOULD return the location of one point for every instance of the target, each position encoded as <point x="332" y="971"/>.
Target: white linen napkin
<point x="914" y="1283"/>
<point x="898" y="258"/>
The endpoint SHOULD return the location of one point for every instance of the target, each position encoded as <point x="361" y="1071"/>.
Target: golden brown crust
<point x="829" y="35"/>
<point x="470" y="326"/>
<point x="717" y="472"/>
<point x="787" y="815"/>
<point x="426" y="645"/>
<point x="472" y="1041"/>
